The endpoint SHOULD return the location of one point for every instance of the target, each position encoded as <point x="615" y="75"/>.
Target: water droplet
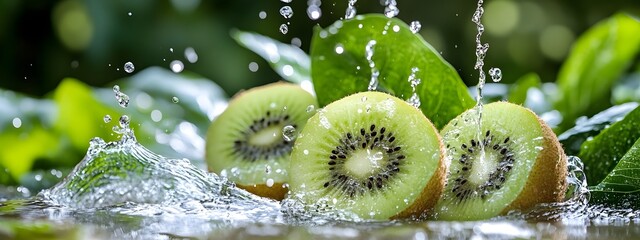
<point x="17" y="122"/>
<point x="306" y="152"/>
<point x="286" y="1"/>
<point x="284" y="29"/>
<point x="156" y="115"/>
<point x="414" y="100"/>
<point x="314" y="12"/>
<point x="262" y="14"/>
<point x="129" y="14"/>
<point x="286" y="12"/>
<point x="391" y="10"/>
<point x="123" y="99"/>
<point x="496" y="74"/>
<point x="124" y="121"/>
<point x="415" y="26"/>
<point x="310" y="108"/>
<point x="176" y="66"/>
<point x="128" y="67"/>
<point x="267" y="169"/>
<point x="296" y="42"/>
<point x="287" y="70"/>
<point x="269" y="182"/>
<point x="107" y="118"/>
<point x="253" y="67"/>
<point x="191" y="55"/>
<point x="339" y="48"/>
<point x="175" y="99"/>
<point x="396" y="28"/>
<point x="369" y="50"/>
<point x="289" y="133"/>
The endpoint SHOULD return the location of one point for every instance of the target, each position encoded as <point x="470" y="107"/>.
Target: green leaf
<point x="396" y="52"/>
<point x="621" y="188"/>
<point x="598" y="59"/>
<point x="603" y="152"/>
<point x="584" y="129"/>
<point x="26" y="134"/>
<point x="289" y="61"/>
<point x="518" y="91"/>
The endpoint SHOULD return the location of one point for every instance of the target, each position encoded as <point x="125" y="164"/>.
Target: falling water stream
<point x="122" y="190"/>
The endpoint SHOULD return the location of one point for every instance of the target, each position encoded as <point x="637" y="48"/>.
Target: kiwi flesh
<point x="513" y="161"/>
<point x="246" y="142"/>
<point x="369" y="154"/>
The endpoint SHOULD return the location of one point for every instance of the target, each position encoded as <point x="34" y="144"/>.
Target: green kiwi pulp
<point x="512" y="161"/>
<point x="246" y="142"/>
<point x="370" y="154"/>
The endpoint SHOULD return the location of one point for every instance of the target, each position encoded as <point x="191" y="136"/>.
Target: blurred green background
<point x="41" y="42"/>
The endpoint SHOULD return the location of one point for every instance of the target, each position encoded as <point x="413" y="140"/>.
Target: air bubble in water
<point x="175" y="99"/>
<point x="123" y="99"/>
<point x="128" y="67"/>
<point x="415" y="26"/>
<point x="176" y="66"/>
<point x="17" y="122"/>
<point x="262" y="14"/>
<point x="496" y="74"/>
<point x="286" y="12"/>
<point x="289" y="133"/>
<point x="286" y="1"/>
<point x="284" y="29"/>
<point x="107" y="118"/>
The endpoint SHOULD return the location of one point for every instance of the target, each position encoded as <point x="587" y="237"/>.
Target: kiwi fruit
<point x="511" y="161"/>
<point x="369" y="154"/>
<point x="246" y="142"/>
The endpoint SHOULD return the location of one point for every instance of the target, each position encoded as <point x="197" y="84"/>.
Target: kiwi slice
<point x="369" y="154"/>
<point x="246" y="142"/>
<point x="512" y="161"/>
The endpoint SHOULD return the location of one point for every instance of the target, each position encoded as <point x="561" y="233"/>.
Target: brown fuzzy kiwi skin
<point x="431" y="193"/>
<point x="547" y="180"/>
<point x="276" y="192"/>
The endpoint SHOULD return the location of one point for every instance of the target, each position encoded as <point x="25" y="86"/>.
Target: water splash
<point x="369" y="50"/>
<point x="351" y="10"/>
<point x="414" y="100"/>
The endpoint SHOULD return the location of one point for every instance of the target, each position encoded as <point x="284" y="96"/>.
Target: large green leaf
<point x="289" y="61"/>
<point x="621" y="188"/>
<point x="603" y="152"/>
<point x="598" y="59"/>
<point x="584" y="129"/>
<point x="339" y="65"/>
